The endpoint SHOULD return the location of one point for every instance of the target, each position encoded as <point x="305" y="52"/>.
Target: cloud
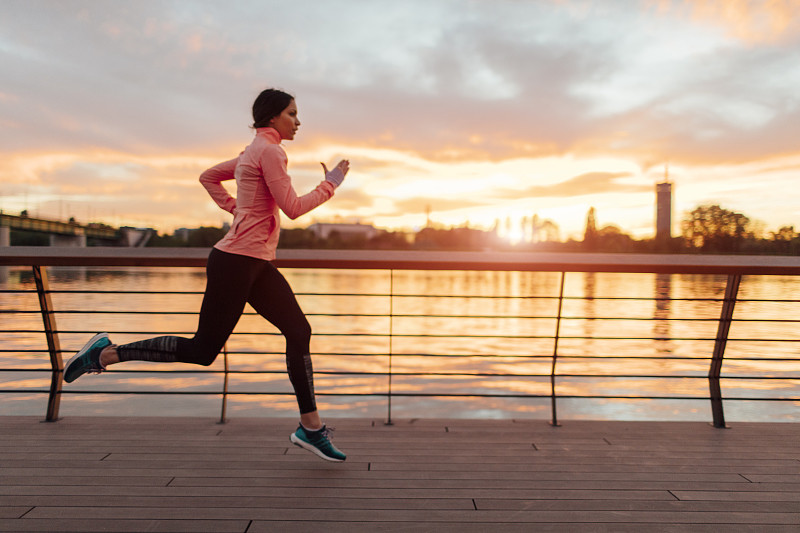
<point x="536" y="78"/>
<point x="590" y="183"/>
<point x="577" y="85"/>
<point x="351" y="199"/>
<point x="422" y="204"/>
<point x="750" y="20"/>
<point x="508" y="88"/>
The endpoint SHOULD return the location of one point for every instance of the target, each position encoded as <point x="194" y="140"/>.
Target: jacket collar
<point x="270" y="134"/>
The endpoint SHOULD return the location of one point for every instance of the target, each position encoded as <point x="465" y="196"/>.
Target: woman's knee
<point x="207" y="359"/>
<point x="200" y="352"/>
<point x="300" y="331"/>
<point x="200" y="358"/>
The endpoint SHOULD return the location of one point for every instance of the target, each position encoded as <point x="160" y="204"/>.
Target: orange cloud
<point x="588" y="183"/>
<point x="756" y="21"/>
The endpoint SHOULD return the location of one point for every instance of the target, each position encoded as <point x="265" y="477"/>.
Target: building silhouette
<point x="323" y="230"/>
<point x="664" y="209"/>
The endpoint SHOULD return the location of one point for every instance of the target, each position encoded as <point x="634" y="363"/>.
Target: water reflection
<point x="589" y="294"/>
<point x="661" y="313"/>
<point x="505" y="326"/>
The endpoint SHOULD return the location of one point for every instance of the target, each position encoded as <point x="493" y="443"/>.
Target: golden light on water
<point x="501" y="343"/>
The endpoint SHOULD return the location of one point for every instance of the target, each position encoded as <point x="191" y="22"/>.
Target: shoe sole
<point x="311" y="448"/>
<point x="81" y="352"/>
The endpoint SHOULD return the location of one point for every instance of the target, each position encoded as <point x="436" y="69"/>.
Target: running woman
<point x="240" y="271"/>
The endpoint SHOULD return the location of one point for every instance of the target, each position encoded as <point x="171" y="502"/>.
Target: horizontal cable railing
<point x="392" y="361"/>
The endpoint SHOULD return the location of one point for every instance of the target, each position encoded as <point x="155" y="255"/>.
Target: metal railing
<point x="734" y="267"/>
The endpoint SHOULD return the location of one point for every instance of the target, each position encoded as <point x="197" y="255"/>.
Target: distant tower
<point x="664" y="209"/>
<point x="590" y="233"/>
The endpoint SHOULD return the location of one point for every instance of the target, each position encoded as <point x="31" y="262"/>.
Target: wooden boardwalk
<point x="194" y="475"/>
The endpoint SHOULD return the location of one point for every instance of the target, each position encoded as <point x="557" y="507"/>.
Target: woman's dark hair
<point x="269" y="104"/>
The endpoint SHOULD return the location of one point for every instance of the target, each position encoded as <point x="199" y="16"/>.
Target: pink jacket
<point x="263" y="186"/>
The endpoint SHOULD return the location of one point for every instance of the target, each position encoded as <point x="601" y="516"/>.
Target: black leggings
<point x="231" y="281"/>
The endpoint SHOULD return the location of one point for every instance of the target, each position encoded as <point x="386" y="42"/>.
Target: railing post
<point x="554" y="419"/>
<point x="391" y="336"/>
<point x="224" y="384"/>
<point x="53" y="344"/>
<point x="726" y="315"/>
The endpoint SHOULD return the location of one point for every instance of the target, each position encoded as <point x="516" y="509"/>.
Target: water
<point x="612" y="324"/>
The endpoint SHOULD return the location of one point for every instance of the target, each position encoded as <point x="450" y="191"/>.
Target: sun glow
<point x="516" y="235"/>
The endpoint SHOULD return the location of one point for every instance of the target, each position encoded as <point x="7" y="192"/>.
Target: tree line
<point x="706" y="229"/>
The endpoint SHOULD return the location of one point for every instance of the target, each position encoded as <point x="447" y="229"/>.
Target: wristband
<point x="335" y="177"/>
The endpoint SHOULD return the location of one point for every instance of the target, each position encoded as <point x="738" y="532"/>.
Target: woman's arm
<point x="212" y="180"/>
<point x="273" y="166"/>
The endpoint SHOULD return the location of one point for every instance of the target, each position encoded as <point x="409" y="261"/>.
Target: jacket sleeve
<point x="212" y="180"/>
<point x="273" y="165"/>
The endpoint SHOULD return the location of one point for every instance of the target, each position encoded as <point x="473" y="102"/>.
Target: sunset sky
<point x="478" y="110"/>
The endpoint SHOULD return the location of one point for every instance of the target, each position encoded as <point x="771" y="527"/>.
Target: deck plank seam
<point x="26" y="512"/>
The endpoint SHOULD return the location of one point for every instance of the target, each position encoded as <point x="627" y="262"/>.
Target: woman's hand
<point x="336" y="176"/>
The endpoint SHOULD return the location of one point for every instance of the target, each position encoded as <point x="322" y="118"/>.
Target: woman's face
<point x="287" y="123"/>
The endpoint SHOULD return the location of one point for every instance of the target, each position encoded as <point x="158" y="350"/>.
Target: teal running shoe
<point x="317" y="442"/>
<point x="88" y="359"/>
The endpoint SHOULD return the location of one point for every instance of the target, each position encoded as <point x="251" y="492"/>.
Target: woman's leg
<point x="228" y="282"/>
<point x="272" y="297"/>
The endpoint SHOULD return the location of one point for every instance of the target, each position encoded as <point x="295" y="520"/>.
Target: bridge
<point x="71" y="233"/>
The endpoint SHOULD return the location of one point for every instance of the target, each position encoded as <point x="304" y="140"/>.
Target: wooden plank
<point x="746" y="495"/>
<point x="360" y="476"/>
<point x="370" y="471"/>
<point x="619" y="504"/>
<point x="433" y="489"/>
<point x="90" y="480"/>
<point x="284" y="489"/>
<point x="310" y="467"/>
<point x="530" y="456"/>
<point x="256" y="513"/>
<point x="77" y="457"/>
<point x="243" y="454"/>
<point x="299" y="526"/>
<point x="83" y="525"/>
<point x="773" y="478"/>
<point x="644" y="465"/>
<point x="232" y="502"/>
